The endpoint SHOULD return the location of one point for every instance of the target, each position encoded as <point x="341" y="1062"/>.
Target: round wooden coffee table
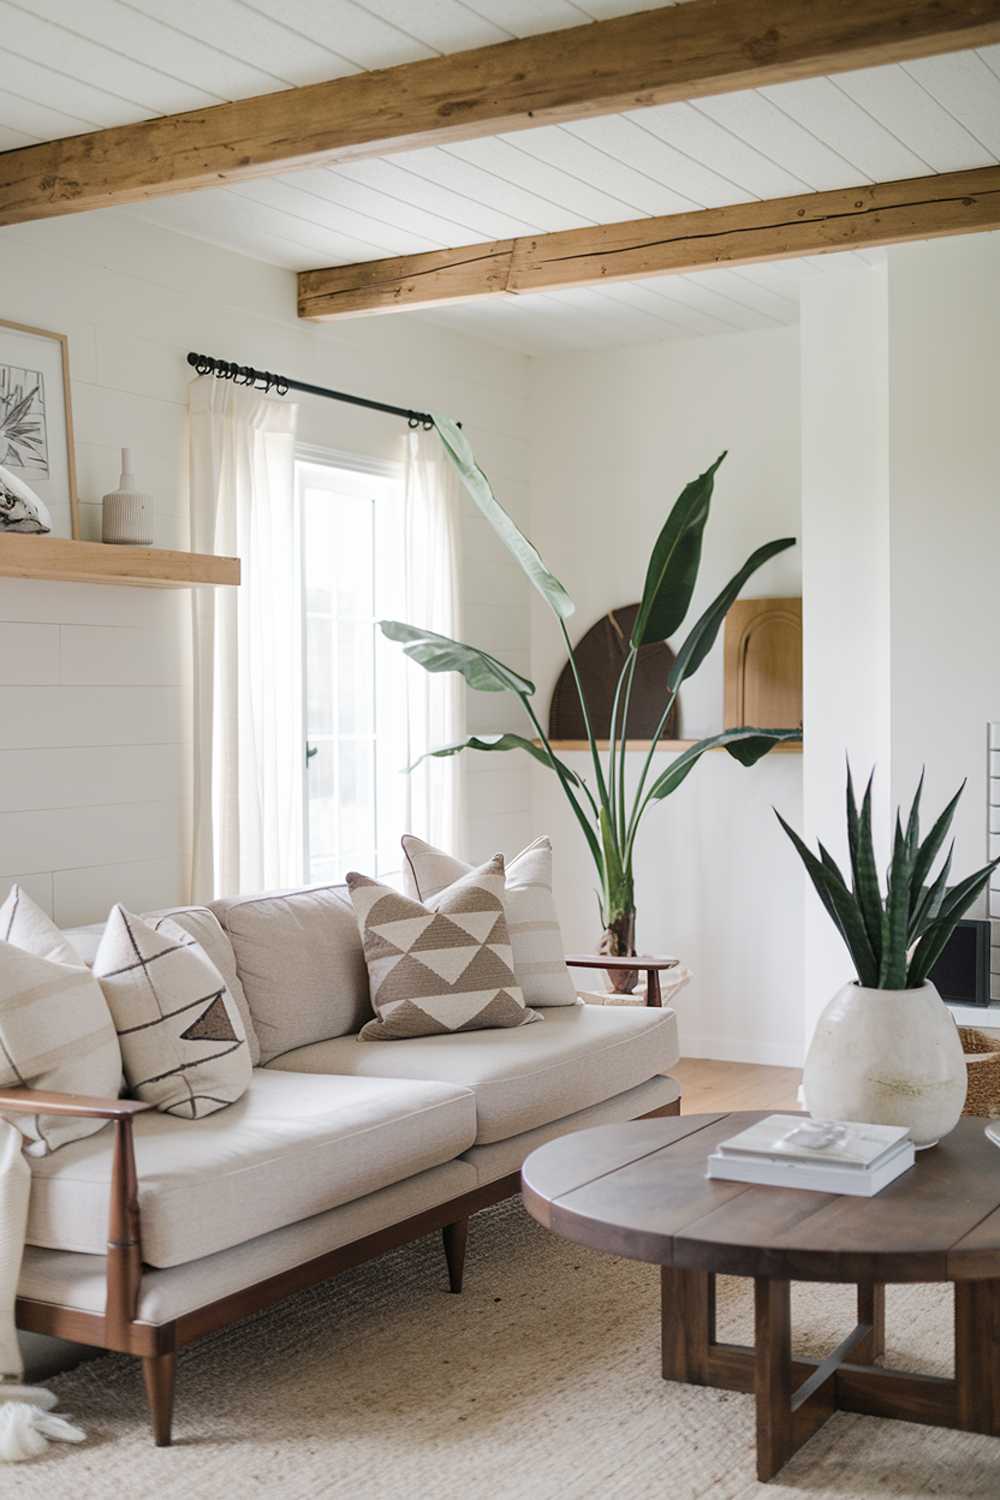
<point x="640" y="1191"/>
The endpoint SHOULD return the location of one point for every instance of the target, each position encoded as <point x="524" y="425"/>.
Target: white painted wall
<point x="944" y="325"/>
<point x="93" y="681"/>
<point x="846" y="573"/>
<point x="617" y="435"/>
<point x="901" y="527"/>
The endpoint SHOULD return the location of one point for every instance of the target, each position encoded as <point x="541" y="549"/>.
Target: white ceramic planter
<point x="887" y="1057"/>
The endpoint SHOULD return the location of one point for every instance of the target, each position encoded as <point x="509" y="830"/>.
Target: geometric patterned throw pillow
<point x="441" y="966"/>
<point x="528" y="901"/>
<point x="183" y="1045"/>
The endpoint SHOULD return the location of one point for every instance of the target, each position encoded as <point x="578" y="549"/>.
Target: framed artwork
<point x="36" y="419"/>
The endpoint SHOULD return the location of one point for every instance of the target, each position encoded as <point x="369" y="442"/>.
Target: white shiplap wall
<point x="94" y="731"/>
<point x="67" y="68"/>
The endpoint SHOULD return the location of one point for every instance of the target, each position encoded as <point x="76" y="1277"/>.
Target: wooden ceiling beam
<point x="678" y="52"/>
<point x="881" y="213"/>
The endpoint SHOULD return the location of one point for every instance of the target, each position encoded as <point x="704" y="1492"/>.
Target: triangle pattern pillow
<point x="439" y="966"/>
<point x="537" y="944"/>
<point x="56" y="1032"/>
<point x="181" y="1035"/>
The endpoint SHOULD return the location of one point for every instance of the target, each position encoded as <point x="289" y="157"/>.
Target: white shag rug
<point x="540" y="1382"/>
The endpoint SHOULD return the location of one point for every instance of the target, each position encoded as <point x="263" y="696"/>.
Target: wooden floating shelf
<point x="63" y="561"/>
<point x="786" y="747"/>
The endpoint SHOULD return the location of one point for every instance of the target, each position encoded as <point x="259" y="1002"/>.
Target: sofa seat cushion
<point x="290" y="1148"/>
<point x="524" y="1077"/>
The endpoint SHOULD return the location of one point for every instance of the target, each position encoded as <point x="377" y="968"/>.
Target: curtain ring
<point x="413" y="422"/>
<point x="204" y="365"/>
<point x="249" y="375"/>
<point x="281" y="386"/>
<point x="428" y="424"/>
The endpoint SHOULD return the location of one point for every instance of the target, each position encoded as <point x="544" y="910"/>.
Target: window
<point x="352" y="536"/>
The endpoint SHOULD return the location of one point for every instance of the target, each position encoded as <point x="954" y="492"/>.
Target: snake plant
<point x="896" y="939"/>
<point x="609" y="819"/>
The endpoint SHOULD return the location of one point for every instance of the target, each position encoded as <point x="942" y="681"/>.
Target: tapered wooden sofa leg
<point x="158" y="1372"/>
<point x="455" y="1237"/>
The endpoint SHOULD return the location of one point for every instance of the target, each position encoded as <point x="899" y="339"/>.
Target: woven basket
<point x="982" y="1059"/>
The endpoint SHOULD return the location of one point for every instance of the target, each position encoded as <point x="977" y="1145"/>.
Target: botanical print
<point x="24" y="442"/>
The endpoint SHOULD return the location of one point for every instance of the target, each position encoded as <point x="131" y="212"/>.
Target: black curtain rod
<point x="266" y="381"/>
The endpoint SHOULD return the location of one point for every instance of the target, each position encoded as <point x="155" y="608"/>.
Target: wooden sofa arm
<point x="124" y="1257"/>
<point x="651" y="967"/>
<point x="83" y="1106"/>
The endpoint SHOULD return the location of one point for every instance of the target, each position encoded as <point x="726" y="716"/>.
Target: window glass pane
<point x="355" y="701"/>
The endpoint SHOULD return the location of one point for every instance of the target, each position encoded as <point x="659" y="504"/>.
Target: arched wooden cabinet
<point x="763" y="663"/>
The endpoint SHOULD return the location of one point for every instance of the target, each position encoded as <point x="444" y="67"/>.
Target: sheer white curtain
<point x="248" y="749"/>
<point x="435" y="702"/>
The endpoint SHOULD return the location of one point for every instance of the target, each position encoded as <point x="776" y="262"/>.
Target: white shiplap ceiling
<point x="70" y="66"/>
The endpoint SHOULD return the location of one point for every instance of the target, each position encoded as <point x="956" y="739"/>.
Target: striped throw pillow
<point x="539" y="961"/>
<point x="56" y="1031"/>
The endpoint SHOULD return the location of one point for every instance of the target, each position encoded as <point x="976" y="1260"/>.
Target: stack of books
<point x="825" y="1156"/>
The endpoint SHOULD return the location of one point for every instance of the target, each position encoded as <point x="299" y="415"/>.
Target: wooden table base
<point x="795" y="1397"/>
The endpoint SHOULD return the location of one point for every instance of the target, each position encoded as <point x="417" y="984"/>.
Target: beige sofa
<point x="157" y="1230"/>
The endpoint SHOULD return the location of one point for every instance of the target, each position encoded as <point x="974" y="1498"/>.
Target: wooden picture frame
<point x="49" y="463"/>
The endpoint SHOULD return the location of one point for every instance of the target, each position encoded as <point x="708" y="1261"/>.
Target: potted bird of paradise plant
<point x="609" y="817"/>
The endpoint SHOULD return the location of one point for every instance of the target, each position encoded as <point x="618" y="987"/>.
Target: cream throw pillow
<point x="56" y="1031"/>
<point x="539" y="961"/>
<point x="439" y="966"/>
<point x="182" y="1039"/>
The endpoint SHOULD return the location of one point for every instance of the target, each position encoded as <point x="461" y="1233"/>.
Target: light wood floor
<point x="707" y="1085"/>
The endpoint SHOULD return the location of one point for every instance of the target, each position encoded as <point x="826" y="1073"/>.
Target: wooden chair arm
<point x="83" y="1106"/>
<point x="124" y="1256"/>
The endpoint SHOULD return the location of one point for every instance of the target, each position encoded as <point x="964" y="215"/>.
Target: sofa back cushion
<point x="299" y="957"/>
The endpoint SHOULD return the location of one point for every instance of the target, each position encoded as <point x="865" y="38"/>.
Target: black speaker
<point x="962" y="973"/>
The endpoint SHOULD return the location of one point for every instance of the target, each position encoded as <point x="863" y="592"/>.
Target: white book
<point x="817" y="1177"/>
<point x="850" y="1145"/>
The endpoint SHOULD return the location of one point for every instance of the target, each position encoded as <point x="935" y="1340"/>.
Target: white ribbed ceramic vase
<point x="887" y="1057"/>
<point x="127" y="513"/>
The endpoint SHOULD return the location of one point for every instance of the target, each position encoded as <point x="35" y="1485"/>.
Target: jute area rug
<point x="540" y="1382"/>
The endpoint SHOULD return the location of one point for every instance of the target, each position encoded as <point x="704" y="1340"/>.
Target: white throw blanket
<point x="26" y="1420"/>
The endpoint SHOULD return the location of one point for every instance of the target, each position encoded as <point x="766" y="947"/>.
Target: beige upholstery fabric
<point x="528" y="902"/>
<point x="203" y="925"/>
<point x="181" y="1035"/>
<point x="502" y="1157"/>
<point x="79" y="1280"/>
<point x="299" y="957"/>
<point x="27" y="926"/>
<point x="291" y="1147"/>
<point x="522" y="1078"/>
<point x="56" y="1031"/>
<point x="439" y="966"/>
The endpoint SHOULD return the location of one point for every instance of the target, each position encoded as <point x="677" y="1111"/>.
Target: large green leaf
<point x="930" y="899"/>
<point x="458" y="449"/>
<point x="502" y="742"/>
<point x="673" y="565"/>
<point x="864" y="871"/>
<point x="931" y="945"/>
<point x="841" y="906"/>
<point x="896" y="915"/>
<point x="701" y="637"/>
<point x="745" y="745"/>
<point x="439" y="653"/>
<point x="928" y="850"/>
